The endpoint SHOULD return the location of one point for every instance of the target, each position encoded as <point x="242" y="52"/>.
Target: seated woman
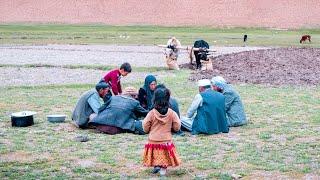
<point x="233" y="104"/>
<point x="146" y="94"/>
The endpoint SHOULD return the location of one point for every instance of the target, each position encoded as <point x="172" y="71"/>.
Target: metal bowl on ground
<point x="56" y="118"/>
<point x="22" y="119"/>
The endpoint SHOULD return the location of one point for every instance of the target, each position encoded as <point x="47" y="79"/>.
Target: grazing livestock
<point x="304" y="38"/>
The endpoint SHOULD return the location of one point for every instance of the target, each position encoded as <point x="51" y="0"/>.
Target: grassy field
<point x="281" y="140"/>
<point x="149" y="35"/>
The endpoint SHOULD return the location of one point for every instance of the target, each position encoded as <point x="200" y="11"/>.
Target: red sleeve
<point x="114" y="84"/>
<point x="112" y="79"/>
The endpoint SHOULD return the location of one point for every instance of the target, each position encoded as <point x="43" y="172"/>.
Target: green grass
<point x="281" y="137"/>
<point x="149" y="35"/>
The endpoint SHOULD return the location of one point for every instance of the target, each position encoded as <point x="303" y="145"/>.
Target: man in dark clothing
<point x="113" y="77"/>
<point x="89" y="103"/>
<point x="121" y="114"/>
<point x="201" y="54"/>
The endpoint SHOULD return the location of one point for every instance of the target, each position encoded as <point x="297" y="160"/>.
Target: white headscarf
<point x="218" y="81"/>
<point x="204" y="82"/>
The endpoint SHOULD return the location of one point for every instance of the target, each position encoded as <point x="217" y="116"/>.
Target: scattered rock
<point x="82" y="138"/>
<point x="236" y="176"/>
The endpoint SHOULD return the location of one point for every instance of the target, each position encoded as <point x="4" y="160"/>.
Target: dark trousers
<point x="138" y="129"/>
<point x="197" y="56"/>
<point x="109" y="129"/>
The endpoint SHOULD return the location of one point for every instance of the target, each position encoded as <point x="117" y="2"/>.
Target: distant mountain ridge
<point x="216" y="13"/>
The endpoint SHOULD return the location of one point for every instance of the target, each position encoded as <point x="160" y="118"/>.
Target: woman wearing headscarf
<point x="146" y="92"/>
<point x="233" y="104"/>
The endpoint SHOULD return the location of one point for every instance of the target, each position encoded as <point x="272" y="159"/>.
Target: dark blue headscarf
<point x="147" y="81"/>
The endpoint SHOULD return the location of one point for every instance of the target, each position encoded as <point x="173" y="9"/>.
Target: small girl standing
<point x="160" y="151"/>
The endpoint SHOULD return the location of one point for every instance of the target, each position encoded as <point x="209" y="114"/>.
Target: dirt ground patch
<point x="278" y="175"/>
<point x="280" y="66"/>
<point x="61" y="55"/>
<point x="24" y="157"/>
<point x="111" y="55"/>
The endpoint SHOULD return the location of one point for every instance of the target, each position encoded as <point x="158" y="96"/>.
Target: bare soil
<point x="112" y="55"/>
<point x="281" y="66"/>
<point x="24" y="157"/>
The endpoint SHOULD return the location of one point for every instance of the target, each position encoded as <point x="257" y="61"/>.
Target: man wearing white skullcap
<point x="233" y="104"/>
<point x="206" y="114"/>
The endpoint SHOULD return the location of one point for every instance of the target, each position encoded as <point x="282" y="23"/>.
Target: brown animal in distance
<point x="304" y="38"/>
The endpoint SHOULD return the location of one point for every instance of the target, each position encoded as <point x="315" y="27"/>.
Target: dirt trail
<point x="57" y="55"/>
<point x="114" y="55"/>
<point x="17" y="76"/>
<point x="254" y="65"/>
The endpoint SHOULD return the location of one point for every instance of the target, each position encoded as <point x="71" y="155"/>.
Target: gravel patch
<point x="114" y="55"/>
<point x="15" y="76"/>
<point x="57" y="55"/>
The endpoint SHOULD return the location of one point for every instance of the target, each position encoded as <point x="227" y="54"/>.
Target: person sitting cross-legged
<point x="207" y="113"/>
<point x="233" y="104"/>
<point x="146" y="92"/>
<point x="121" y="114"/>
<point x="89" y="103"/>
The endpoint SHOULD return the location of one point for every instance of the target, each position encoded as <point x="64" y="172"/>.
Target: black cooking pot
<point x="22" y="119"/>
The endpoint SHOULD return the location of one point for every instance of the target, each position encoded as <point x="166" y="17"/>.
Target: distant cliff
<point x="217" y="13"/>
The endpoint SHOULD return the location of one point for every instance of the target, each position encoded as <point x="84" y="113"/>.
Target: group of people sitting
<point x="216" y="107"/>
<point x="152" y="110"/>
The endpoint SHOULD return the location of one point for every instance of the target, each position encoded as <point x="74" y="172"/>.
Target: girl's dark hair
<point x="161" y="100"/>
<point x="163" y="86"/>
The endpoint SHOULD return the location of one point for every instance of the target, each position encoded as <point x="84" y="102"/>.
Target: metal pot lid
<point x="23" y="114"/>
<point x="56" y="115"/>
